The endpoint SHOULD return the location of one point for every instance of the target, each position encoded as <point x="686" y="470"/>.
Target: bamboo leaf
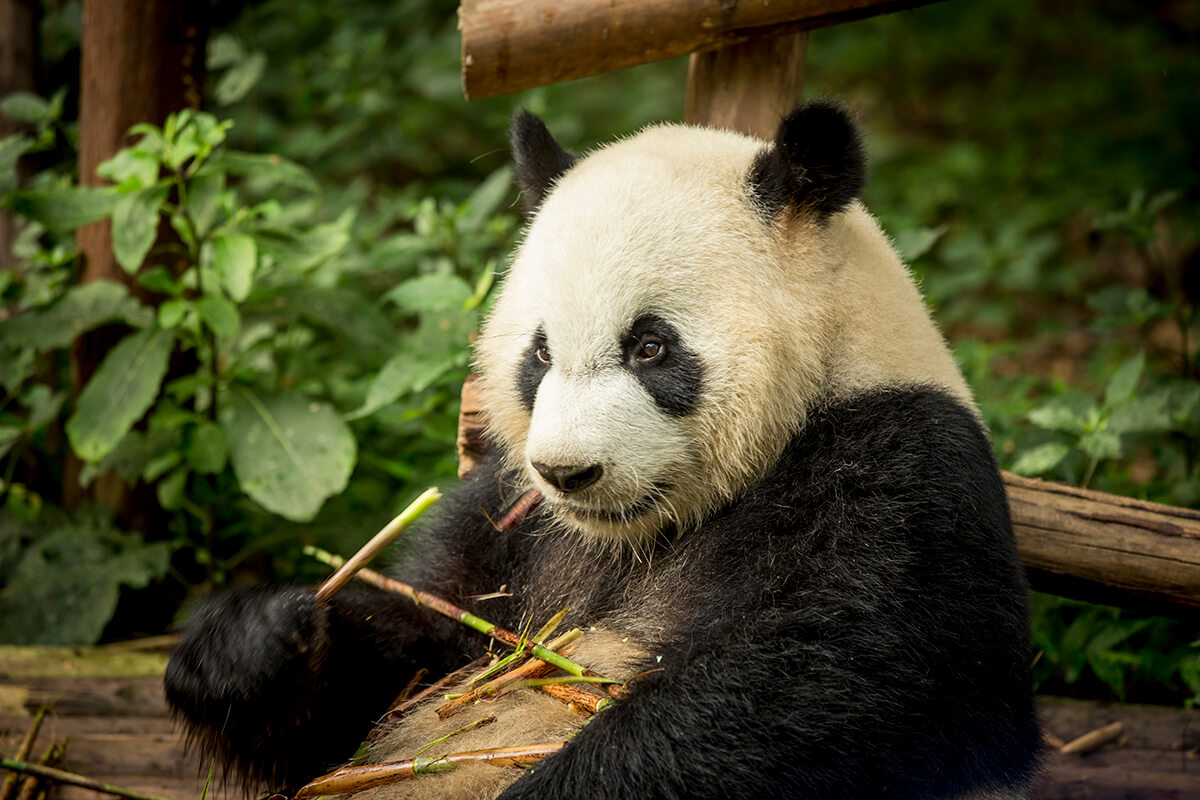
<point x="119" y="393"/>
<point x="289" y="453"/>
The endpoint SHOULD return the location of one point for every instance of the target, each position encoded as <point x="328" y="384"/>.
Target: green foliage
<point x="63" y="575"/>
<point x="286" y="342"/>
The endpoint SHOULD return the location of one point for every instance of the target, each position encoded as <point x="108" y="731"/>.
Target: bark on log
<point x="1105" y="547"/>
<point x="510" y="45"/>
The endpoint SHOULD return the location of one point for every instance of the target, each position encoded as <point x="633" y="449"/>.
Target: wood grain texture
<point x="509" y="45"/>
<point x="747" y="87"/>
<point x="1076" y="538"/>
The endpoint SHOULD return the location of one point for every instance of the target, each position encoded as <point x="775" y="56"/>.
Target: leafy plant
<point x="275" y="344"/>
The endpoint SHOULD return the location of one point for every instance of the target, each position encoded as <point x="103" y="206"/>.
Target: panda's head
<point x="681" y="299"/>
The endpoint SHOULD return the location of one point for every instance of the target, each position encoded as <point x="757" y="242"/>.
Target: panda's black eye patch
<point x="534" y="364"/>
<point x="669" y="372"/>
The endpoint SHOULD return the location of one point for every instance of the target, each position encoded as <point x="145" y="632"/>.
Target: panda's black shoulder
<point x="898" y="436"/>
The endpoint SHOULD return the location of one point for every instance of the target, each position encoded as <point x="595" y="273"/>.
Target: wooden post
<point x="747" y="87"/>
<point x="139" y="62"/>
<point x="18" y="49"/>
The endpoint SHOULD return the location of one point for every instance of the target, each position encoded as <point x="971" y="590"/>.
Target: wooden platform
<point x="108" y="703"/>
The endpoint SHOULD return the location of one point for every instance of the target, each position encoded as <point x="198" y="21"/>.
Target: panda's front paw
<point x="244" y="671"/>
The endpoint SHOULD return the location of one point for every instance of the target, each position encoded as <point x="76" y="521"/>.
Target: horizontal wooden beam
<point x="509" y="45"/>
<point x="1105" y="547"/>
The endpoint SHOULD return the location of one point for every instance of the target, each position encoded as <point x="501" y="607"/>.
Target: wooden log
<point x="1104" y="547"/>
<point x="509" y="45"/>
<point x="747" y="87"/>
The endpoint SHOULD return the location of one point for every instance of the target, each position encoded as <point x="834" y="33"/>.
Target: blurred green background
<point x="1035" y="160"/>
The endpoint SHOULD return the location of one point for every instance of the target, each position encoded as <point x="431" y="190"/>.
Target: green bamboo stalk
<point x="377" y="543"/>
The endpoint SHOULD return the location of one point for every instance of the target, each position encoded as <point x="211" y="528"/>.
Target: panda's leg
<point x="278" y="687"/>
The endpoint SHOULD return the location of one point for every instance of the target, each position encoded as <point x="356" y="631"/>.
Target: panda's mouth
<point x="618" y="515"/>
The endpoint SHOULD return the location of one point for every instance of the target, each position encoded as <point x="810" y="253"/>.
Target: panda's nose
<point x="569" y="479"/>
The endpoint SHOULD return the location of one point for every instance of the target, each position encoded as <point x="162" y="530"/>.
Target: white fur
<point x="783" y="316"/>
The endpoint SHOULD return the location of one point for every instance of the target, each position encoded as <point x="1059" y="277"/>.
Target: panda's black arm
<point x="280" y="688"/>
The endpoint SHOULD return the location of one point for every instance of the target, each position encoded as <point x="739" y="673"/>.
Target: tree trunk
<point x="18" y="59"/>
<point x="140" y="62"/>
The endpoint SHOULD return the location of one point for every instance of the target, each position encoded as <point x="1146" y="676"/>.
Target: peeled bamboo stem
<point x="356" y="779"/>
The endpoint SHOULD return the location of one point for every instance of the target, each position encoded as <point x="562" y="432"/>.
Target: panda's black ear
<point x="815" y="166"/>
<point x="538" y="159"/>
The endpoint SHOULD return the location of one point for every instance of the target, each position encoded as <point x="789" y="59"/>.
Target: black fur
<point x="676" y="379"/>
<point x="537" y="158"/>
<point x="855" y="626"/>
<point x="531" y="371"/>
<point x="816" y="164"/>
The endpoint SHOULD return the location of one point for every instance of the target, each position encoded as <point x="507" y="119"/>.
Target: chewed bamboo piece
<point x="378" y="542"/>
<point x="356" y="779"/>
<point x="531" y="669"/>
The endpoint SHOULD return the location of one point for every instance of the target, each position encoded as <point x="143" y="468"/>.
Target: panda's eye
<point x="650" y="349"/>
<point x="542" y="352"/>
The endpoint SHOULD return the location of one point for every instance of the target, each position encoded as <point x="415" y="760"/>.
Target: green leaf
<point x="119" y="393"/>
<point x="1040" y="459"/>
<point x="11" y="150"/>
<point x="220" y="315"/>
<point x="9" y="435"/>
<point x="271" y="169"/>
<point x="234" y="256"/>
<point x="1069" y="413"/>
<point x="65" y="208"/>
<point x="43" y="403"/>
<point x="303" y="251"/>
<point x="132" y="456"/>
<point x="203" y="199"/>
<point x="1101" y="444"/>
<point x="405" y="373"/>
<point x="207" y="450"/>
<point x="224" y="50"/>
<point x="239" y="79"/>
<point x="487" y="199"/>
<point x="135" y="225"/>
<point x="430" y="293"/>
<point x="1124" y="381"/>
<point x="172" y="312"/>
<point x="289" y="453"/>
<point x="80" y="309"/>
<point x="26" y="107"/>
<point x="344" y="312"/>
<point x="160" y="280"/>
<point x="132" y="168"/>
<point x="65" y="586"/>
<point x="170" y="489"/>
<point x="1150" y="413"/>
<point x="916" y="242"/>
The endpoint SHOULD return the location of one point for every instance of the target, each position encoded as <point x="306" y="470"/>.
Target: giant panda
<point x="768" y="497"/>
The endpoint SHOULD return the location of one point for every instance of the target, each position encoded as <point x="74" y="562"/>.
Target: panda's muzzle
<point x="570" y="478"/>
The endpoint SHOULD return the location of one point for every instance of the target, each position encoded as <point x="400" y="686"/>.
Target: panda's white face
<point x="668" y="322"/>
<point x="633" y="353"/>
